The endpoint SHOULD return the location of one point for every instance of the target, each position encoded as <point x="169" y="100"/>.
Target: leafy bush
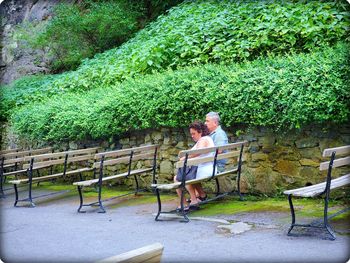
<point x="27" y="90"/>
<point x="200" y="32"/>
<point x="280" y="92"/>
<point x="79" y="31"/>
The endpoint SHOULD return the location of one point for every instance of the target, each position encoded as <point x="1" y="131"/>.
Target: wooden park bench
<point x="147" y="254"/>
<point x="48" y="161"/>
<point x="324" y="188"/>
<point x="12" y="163"/>
<point x="125" y="156"/>
<point x="231" y="152"/>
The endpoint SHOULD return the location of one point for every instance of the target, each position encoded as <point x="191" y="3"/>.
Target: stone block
<point x="166" y="167"/>
<point x="309" y="175"/>
<point x="255" y="157"/>
<point x="157" y="136"/>
<point x="311" y="153"/>
<point x="181" y="146"/>
<point x="148" y="138"/>
<point x="253" y="147"/>
<point x="267" y="141"/>
<point x="73" y="146"/>
<point x="309" y="162"/>
<point x="287" y="167"/>
<point x="329" y="143"/>
<point x="124" y="141"/>
<point x="167" y="141"/>
<point x="306" y="143"/>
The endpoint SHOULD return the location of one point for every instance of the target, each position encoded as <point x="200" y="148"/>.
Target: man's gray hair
<point x="214" y="116"/>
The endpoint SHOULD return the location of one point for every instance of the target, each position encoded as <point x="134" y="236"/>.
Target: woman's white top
<point x="205" y="169"/>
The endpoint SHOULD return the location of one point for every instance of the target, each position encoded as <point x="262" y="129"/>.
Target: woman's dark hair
<point x="199" y="127"/>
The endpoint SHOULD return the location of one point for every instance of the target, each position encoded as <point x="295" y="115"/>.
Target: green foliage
<point x="22" y="91"/>
<point x="80" y="31"/>
<point x="282" y="92"/>
<point x="200" y="32"/>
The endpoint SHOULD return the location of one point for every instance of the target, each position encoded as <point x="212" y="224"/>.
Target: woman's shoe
<point x="203" y="198"/>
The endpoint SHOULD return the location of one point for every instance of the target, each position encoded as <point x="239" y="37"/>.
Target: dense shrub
<point x="27" y="90"/>
<point x="79" y="31"/>
<point x="199" y="32"/>
<point x="282" y="92"/>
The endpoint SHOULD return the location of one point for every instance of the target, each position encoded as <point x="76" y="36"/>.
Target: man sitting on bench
<point x="199" y="133"/>
<point x="212" y="121"/>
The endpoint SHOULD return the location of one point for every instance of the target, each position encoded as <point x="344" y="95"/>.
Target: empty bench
<point x="147" y="254"/>
<point x="48" y="161"/>
<point x="126" y="156"/>
<point x="12" y="163"/>
<point x="324" y="188"/>
<point x="231" y="152"/>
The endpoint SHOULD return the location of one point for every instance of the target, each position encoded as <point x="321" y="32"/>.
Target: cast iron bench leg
<point x="292" y="212"/>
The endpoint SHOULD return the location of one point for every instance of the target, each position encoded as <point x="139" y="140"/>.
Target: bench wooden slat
<point x="124" y="159"/>
<point x="151" y="253"/>
<point x="9" y="151"/>
<point x="50" y="176"/>
<point x="313" y="190"/>
<point x="339" y="151"/>
<point x="125" y="151"/>
<point x="15" y="172"/>
<point x="193" y="181"/>
<point x="9" y="165"/>
<point x="337" y="163"/>
<point x="44" y="164"/>
<point x="213" y="149"/>
<point x="107" y="178"/>
<point x="27" y="152"/>
<point x="62" y="154"/>
<point x="14" y="160"/>
<point x="199" y="160"/>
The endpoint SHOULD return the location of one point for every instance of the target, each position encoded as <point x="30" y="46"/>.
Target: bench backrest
<point x="9" y="151"/>
<point x="232" y="150"/>
<point x="333" y="153"/>
<point x="19" y="156"/>
<point x="333" y="162"/>
<point x="125" y="156"/>
<point x="49" y="159"/>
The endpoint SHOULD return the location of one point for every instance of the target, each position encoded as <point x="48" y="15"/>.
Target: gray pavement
<point x="54" y="232"/>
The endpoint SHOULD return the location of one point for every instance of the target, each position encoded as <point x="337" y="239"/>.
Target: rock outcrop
<point x="17" y="58"/>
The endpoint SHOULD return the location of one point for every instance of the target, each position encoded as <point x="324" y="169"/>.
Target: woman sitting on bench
<point x="199" y="133"/>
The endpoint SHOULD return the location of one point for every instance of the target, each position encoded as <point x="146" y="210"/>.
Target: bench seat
<point x="231" y="154"/>
<point x="55" y="160"/>
<point x="132" y="157"/>
<point x="324" y="188"/>
<point x="193" y="181"/>
<point x="50" y="176"/>
<point x="314" y="190"/>
<point x="107" y="178"/>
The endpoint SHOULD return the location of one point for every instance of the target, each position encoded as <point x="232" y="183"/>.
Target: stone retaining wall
<point x="273" y="161"/>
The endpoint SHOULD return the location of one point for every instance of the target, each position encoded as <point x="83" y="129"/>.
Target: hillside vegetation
<point x="282" y="92"/>
<point x="199" y="32"/>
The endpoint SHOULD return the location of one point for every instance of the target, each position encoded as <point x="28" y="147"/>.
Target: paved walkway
<point x="55" y="232"/>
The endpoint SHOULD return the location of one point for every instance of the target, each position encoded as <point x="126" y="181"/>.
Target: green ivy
<point x="280" y="92"/>
<point x="201" y="32"/>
